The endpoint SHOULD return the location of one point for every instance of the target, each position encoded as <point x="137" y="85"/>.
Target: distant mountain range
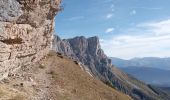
<point x="167" y="89"/>
<point x="150" y="70"/>
<point x="154" y="62"/>
<point x="150" y="75"/>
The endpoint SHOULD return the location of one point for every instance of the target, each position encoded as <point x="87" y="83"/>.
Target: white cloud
<point x="75" y="18"/>
<point x="109" y="30"/>
<point x="153" y="42"/>
<point x="133" y="12"/>
<point x="159" y="28"/>
<point x="108" y="16"/>
<point x="148" y="8"/>
<point x="112" y="7"/>
<point x="107" y="1"/>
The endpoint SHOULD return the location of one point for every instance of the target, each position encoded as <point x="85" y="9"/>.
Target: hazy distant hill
<point x="161" y="63"/>
<point x="150" y="75"/>
<point x="150" y="70"/>
<point x="167" y="89"/>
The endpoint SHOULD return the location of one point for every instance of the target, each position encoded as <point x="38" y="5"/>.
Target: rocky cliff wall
<point x="87" y="51"/>
<point x="26" y="28"/>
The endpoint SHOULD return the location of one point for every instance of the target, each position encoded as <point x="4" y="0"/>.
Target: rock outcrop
<point x="89" y="53"/>
<point x="63" y="46"/>
<point x="26" y="28"/>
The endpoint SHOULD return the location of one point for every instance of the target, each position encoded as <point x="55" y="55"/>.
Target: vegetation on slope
<point x="57" y="78"/>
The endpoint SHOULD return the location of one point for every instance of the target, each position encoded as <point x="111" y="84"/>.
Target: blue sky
<point x="126" y="28"/>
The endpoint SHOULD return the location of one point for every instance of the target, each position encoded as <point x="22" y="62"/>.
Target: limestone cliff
<point x="26" y="28"/>
<point x="87" y="51"/>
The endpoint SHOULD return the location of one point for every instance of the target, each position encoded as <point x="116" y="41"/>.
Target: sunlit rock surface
<point x="26" y="28"/>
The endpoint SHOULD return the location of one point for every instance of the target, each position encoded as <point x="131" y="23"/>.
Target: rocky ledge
<point x="26" y="28"/>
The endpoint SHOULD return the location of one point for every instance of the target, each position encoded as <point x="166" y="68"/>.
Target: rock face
<point x="63" y="46"/>
<point x="26" y="28"/>
<point x="89" y="52"/>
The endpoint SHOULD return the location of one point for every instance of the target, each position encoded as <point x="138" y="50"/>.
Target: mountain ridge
<point x="89" y="53"/>
<point x="146" y="69"/>
<point x="150" y="75"/>
<point x="156" y="62"/>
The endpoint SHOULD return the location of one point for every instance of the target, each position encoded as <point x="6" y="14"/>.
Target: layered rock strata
<point x="26" y="28"/>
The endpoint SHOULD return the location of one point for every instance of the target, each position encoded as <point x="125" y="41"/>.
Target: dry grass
<point x="41" y="66"/>
<point x="18" y="97"/>
<point x="69" y="82"/>
<point x="58" y="78"/>
<point x="7" y="93"/>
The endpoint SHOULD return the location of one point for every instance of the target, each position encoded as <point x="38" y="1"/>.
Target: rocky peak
<point x="89" y="53"/>
<point x="91" y="46"/>
<point x="26" y="28"/>
<point x="79" y="45"/>
<point x="94" y="45"/>
<point x="62" y="46"/>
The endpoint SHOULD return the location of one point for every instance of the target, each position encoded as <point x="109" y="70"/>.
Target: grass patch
<point x="109" y="84"/>
<point x="18" y="97"/>
<point x="2" y="93"/>
<point x="52" y="73"/>
<point x="41" y="66"/>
